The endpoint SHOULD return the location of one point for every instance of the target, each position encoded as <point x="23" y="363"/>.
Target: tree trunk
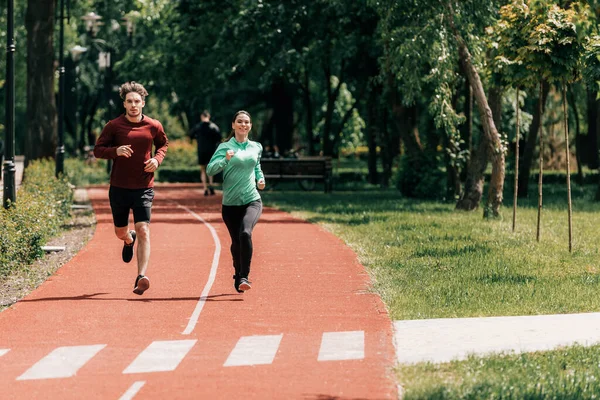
<point x="308" y="109"/>
<point x="490" y="145"/>
<point x="569" y="204"/>
<point x="374" y="94"/>
<point x="283" y="116"/>
<point x="578" y="147"/>
<point x="517" y="139"/>
<point x="541" y="166"/>
<point x="530" y="144"/>
<point x="492" y="138"/>
<point x="467" y="131"/>
<point x="591" y="157"/>
<point x="41" y="107"/>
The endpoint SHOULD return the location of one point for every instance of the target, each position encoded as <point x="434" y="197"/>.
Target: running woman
<point x="239" y="159"/>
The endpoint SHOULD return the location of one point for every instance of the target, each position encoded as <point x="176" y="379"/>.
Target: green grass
<point x="569" y="373"/>
<point x="427" y="260"/>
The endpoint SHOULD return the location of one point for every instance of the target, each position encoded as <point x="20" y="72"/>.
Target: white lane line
<point x="348" y="345"/>
<point x="62" y="362"/>
<point x="160" y="356"/>
<point x="446" y="339"/>
<point x="211" y="278"/>
<point x="132" y="391"/>
<point x="254" y="350"/>
<point x="3" y="352"/>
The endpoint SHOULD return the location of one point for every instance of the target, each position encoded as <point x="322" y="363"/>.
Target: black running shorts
<point x="123" y="200"/>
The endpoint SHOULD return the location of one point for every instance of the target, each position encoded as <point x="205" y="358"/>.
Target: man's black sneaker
<point x="244" y="284"/>
<point x="142" y="283"/>
<point x="127" y="252"/>
<point x="236" y="284"/>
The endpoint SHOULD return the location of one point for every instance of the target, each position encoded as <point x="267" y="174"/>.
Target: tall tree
<point x="41" y="111"/>
<point x="491" y="136"/>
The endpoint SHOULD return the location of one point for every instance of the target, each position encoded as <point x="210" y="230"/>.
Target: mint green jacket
<point x="240" y="174"/>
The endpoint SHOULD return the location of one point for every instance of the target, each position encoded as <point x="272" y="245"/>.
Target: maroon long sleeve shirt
<point x="128" y="173"/>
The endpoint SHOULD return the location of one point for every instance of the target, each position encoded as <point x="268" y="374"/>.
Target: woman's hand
<point x="125" y="151"/>
<point x="229" y="154"/>
<point x="261" y="184"/>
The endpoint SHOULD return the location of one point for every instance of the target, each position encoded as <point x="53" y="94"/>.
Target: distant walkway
<point x="443" y="340"/>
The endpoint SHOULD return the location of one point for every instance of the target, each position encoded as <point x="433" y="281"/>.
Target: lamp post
<point x="76" y="52"/>
<point x="60" y="148"/>
<point x="92" y="23"/>
<point x="9" y="152"/>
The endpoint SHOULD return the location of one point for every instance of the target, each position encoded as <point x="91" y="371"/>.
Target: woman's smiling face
<point x="242" y="124"/>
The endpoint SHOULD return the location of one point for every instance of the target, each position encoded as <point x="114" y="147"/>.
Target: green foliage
<point x="86" y="172"/>
<point x="591" y="62"/>
<point x="420" y="176"/>
<point x="509" y="38"/>
<point x="554" y="50"/>
<point x="42" y="207"/>
<point x="181" y="153"/>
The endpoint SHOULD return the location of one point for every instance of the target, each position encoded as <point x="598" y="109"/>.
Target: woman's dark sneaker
<point x="206" y="192"/>
<point x="244" y="284"/>
<point x="127" y="252"/>
<point x="212" y="191"/>
<point x="142" y="283"/>
<point x="236" y="284"/>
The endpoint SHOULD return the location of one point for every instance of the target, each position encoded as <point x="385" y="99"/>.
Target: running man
<point x="128" y="140"/>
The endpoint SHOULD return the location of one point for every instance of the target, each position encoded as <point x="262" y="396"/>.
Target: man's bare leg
<point x="123" y="234"/>
<point x="142" y="231"/>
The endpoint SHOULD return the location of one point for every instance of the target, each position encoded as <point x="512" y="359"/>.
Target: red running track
<point x="309" y="328"/>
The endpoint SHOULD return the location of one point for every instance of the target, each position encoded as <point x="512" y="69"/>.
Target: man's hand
<point x="261" y="184"/>
<point x="125" y="151"/>
<point x="151" y="165"/>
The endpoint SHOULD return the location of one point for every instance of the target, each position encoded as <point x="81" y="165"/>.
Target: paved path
<point x="442" y="340"/>
<point x="309" y="328"/>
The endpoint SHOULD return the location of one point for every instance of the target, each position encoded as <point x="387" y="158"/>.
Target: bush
<point x="84" y="172"/>
<point x="181" y="153"/>
<point x="420" y="176"/>
<point x="42" y="206"/>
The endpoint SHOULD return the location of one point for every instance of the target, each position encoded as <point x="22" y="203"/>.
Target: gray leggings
<point x="240" y="221"/>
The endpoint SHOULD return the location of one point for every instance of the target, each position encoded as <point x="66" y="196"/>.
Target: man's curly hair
<point x="132" y="86"/>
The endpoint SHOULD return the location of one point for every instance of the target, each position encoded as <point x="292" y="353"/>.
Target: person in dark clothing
<point x="128" y="141"/>
<point x="208" y="137"/>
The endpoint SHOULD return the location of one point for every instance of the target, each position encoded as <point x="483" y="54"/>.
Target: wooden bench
<point x="306" y="170"/>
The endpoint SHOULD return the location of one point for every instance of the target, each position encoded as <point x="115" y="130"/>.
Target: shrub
<point x="420" y="176"/>
<point x="84" y="172"/>
<point x="42" y="206"/>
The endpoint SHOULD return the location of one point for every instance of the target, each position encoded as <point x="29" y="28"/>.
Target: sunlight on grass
<point x="429" y="261"/>
<point x="568" y="373"/>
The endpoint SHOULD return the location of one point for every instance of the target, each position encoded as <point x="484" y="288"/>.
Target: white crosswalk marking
<point x="342" y="346"/>
<point x="160" y="356"/>
<point x="62" y="362"/>
<point x="132" y="391"/>
<point x="3" y="352"/>
<point x="254" y="350"/>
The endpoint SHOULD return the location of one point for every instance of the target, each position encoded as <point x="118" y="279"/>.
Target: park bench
<point x="305" y="170"/>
